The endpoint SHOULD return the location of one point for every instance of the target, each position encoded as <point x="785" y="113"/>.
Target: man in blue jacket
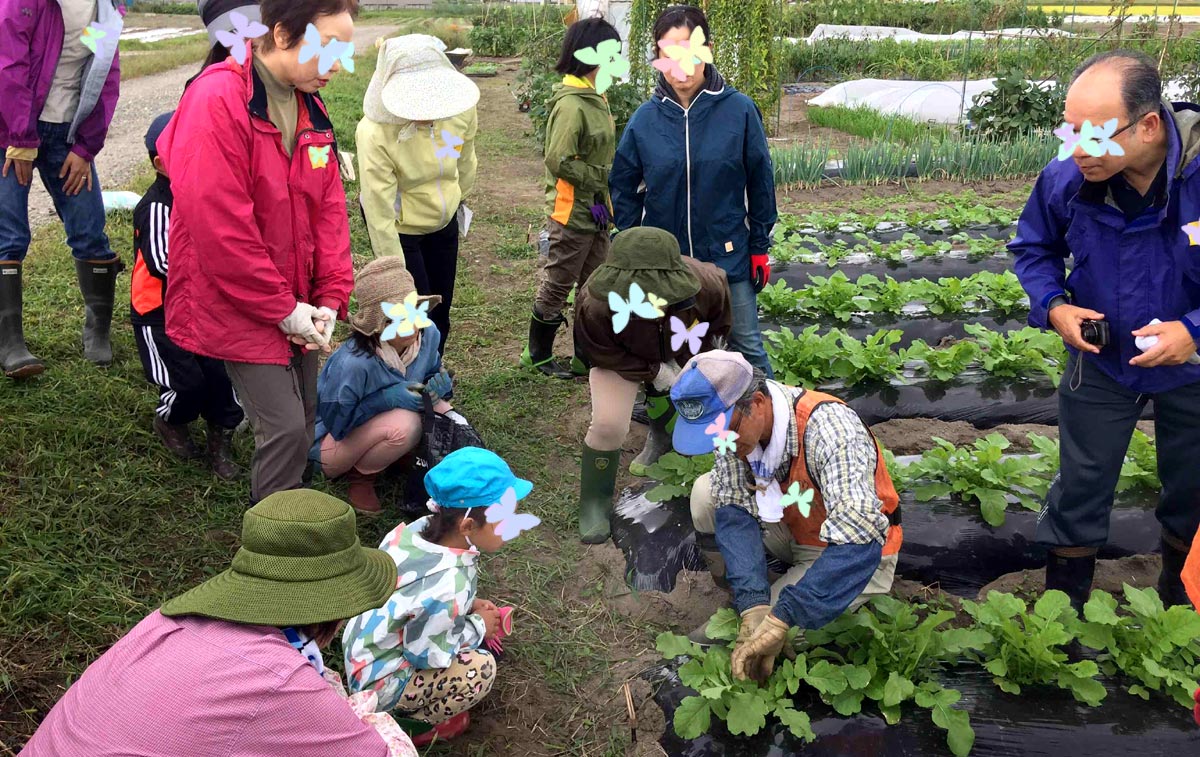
<point x="1129" y="217"/>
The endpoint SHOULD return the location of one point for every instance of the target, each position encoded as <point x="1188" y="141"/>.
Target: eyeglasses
<point x="1131" y="124"/>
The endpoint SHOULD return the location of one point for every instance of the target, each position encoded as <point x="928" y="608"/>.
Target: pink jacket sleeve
<point x="17" y="118"/>
<point x="206" y="149"/>
<point x="333" y="266"/>
<point x="305" y="717"/>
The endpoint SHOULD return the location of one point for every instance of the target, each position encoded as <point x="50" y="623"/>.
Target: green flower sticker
<point x="606" y="55"/>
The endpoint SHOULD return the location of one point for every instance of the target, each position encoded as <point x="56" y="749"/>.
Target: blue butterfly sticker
<point x="407" y="317"/>
<point x="449" y="150"/>
<point x="335" y="51"/>
<point x="511" y="523"/>
<point x="639" y="303"/>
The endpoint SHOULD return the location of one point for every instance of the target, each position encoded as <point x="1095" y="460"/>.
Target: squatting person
<point x="787" y="441"/>
<point x="1128" y="218"/>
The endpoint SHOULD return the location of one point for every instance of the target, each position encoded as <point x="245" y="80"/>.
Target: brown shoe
<point x="177" y="439"/>
<point x="220" y="453"/>
<point x="362" y="492"/>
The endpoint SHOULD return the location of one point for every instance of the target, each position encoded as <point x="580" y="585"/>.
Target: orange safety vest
<point x="806" y="531"/>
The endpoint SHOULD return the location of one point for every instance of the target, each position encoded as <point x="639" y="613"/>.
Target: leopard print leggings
<point x="432" y="696"/>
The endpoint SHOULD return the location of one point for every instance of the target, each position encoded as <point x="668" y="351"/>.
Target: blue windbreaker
<point x="350" y="387"/>
<point x="1131" y="272"/>
<point x="706" y="171"/>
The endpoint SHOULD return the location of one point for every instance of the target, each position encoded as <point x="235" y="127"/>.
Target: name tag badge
<point x="729" y="247"/>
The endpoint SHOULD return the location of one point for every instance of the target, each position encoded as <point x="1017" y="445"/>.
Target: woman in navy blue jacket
<point x="699" y="148"/>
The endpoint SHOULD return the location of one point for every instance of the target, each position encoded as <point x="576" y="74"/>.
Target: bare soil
<point x="1139" y="571"/>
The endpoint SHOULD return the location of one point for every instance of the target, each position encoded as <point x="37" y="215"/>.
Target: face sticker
<point x="639" y="303"/>
<point x="235" y="40"/>
<point x="802" y="500"/>
<point x="1095" y="140"/>
<point x="334" y="51"/>
<point x="607" y="56"/>
<point x="449" y="150"/>
<point x="692" y="336"/>
<point x="318" y="156"/>
<point x="723" y="439"/>
<point x="682" y="57"/>
<point x="407" y="317"/>
<point x="1193" y="232"/>
<point x="511" y="523"/>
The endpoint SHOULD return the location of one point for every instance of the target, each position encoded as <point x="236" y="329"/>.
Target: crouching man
<point x="797" y="475"/>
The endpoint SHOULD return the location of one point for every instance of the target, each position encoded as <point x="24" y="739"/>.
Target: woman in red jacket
<point x="259" y="239"/>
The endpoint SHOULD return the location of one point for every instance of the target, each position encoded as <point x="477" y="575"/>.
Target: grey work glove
<point x="440" y="384"/>
<point x="329" y="317"/>
<point x="300" y="323"/>
<point x="667" y="373"/>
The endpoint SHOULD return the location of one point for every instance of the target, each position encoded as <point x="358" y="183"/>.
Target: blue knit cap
<point x="472" y="477"/>
<point x="156" y="128"/>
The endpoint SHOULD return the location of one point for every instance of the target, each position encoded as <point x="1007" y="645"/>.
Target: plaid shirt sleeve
<point x="842" y="457"/>
<point x="733" y="483"/>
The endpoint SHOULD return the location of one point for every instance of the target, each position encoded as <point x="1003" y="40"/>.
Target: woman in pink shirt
<point x="233" y="667"/>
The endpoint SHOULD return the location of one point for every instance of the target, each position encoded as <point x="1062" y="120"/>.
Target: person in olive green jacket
<point x="416" y="159"/>
<point x="580" y="144"/>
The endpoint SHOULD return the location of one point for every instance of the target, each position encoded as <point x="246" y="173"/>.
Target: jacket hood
<point x="1187" y="122"/>
<point x="561" y="91"/>
<point x="714" y="84"/>
<point x="420" y="560"/>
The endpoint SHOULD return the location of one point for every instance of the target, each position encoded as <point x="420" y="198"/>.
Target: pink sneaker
<point x="445" y="730"/>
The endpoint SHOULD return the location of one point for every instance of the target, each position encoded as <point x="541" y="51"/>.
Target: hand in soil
<point x="1066" y="320"/>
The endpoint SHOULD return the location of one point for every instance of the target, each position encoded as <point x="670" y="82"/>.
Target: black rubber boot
<point x="539" y="352"/>
<point x="1170" y="584"/>
<point x="97" y="283"/>
<point x="661" y="416"/>
<point x="597" y="481"/>
<point x="15" y="359"/>
<point x="1071" y="575"/>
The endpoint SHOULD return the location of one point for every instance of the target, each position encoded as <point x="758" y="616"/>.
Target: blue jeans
<point x="826" y="591"/>
<point x="745" y="336"/>
<point x="82" y="214"/>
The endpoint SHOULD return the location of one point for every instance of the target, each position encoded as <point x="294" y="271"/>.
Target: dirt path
<point x="124" y="153"/>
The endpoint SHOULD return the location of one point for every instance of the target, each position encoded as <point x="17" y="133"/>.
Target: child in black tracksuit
<point x="189" y="385"/>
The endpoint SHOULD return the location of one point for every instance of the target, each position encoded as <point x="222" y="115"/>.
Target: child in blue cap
<point x="421" y="652"/>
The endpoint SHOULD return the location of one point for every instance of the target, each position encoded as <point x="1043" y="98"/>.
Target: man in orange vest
<point x="797" y="475"/>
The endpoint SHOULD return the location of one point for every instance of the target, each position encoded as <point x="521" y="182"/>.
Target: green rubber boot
<point x="539" y="351"/>
<point x="579" y="363"/>
<point x="597" y="480"/>
<point x="658" y="439"/>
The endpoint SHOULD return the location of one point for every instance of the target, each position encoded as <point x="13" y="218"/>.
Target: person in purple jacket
<point x="1127" y="210"/>
<point x="60" y="89"/>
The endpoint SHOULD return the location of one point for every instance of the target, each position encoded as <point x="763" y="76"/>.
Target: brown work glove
<point x="751" y="620"/>
<point x="756" y="657"/>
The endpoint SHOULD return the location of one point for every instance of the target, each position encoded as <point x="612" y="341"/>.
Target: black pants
<point x="189" y="386"/>
<point x="432" y="259"/>
<point x="1096" y="418"/>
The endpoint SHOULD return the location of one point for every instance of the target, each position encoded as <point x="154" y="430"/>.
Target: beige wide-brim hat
<point x="415" y="81"/>
<point x="383" y="280"/>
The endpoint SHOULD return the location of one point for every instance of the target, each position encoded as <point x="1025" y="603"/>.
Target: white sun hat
<point x="415" y="81"/>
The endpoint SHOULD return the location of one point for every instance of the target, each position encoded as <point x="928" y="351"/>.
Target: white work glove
<point x="667" y="373"/>
<point x="329" y="319"/>
<point x="300" y="323"/>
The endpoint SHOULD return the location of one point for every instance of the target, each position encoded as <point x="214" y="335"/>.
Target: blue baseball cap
<point x="472" y="477"/>
<point x="155" y="130"/>
<point x="707" y="386"/>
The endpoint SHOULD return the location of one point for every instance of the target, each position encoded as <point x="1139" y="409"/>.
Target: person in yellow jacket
<point x="416" y="160"/>
<point x="581" y="140"/>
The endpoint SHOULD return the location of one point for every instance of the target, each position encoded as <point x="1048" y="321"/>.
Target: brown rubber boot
<point x="362" y="492"/>
<point x="178" y="439"/>
<point x="220" y="453"/>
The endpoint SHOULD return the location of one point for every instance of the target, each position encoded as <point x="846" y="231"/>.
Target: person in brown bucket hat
<point x="631" y="345"/>
<point x="234" y="666"/>
<point x="369" y="405"/>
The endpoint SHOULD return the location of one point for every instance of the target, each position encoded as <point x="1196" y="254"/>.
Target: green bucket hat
<point x="650" y="258"/>
<point x="300" y="563"/>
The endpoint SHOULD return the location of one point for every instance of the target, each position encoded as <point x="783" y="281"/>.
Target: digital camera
<point x="1094" y="332"/>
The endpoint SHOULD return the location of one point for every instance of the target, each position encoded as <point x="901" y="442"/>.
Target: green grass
<point x="871" y="124"/>
<point x="146" y="58"/>
<point x="101" y="524"/>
